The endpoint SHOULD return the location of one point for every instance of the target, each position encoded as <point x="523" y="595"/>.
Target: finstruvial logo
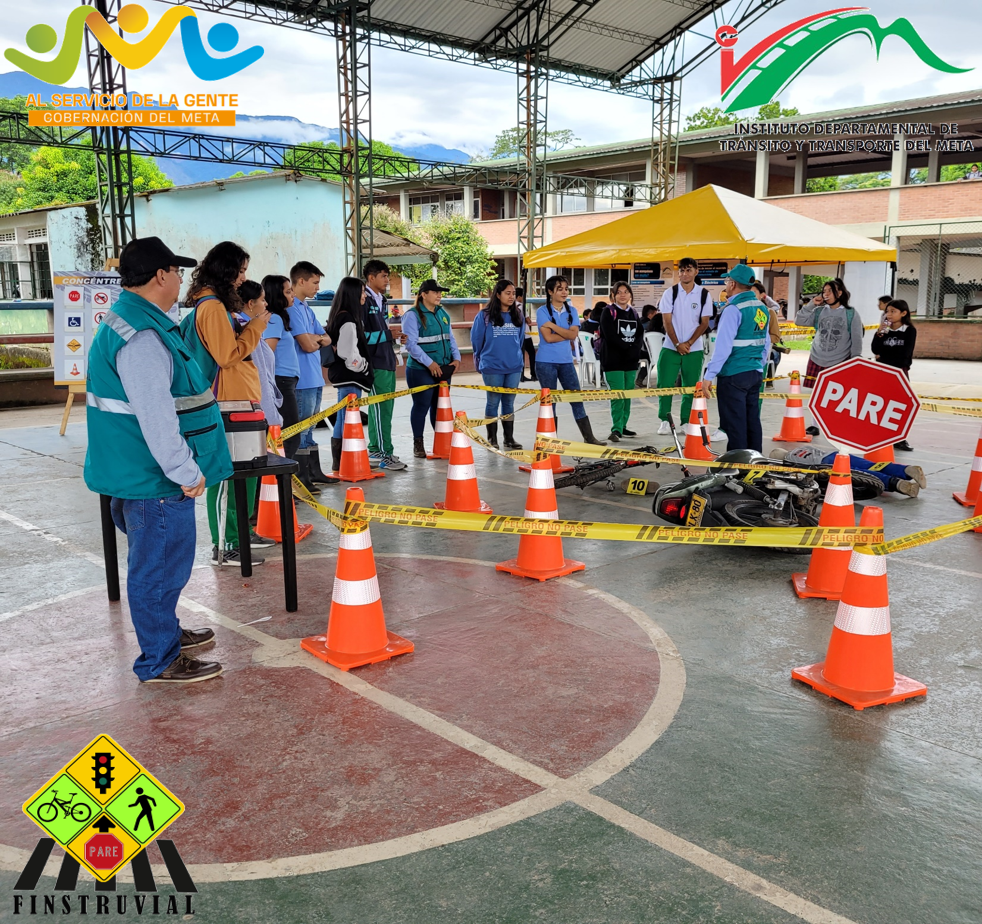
<point x="768" y="68"/>
<point x="43" y="38"/>
<point x="104" y="809"/>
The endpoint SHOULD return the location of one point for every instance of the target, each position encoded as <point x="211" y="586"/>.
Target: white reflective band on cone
<point x="352" y="416"/>
<point x="863" y="620"/>
<point x="459" y="440"/>
<point x="540" y="515"/>
<point x="355" y="542"/>
<point x="541" y="478"/>
<point x="977" y="464"/>
<point x="353" y="445"/>
<point x="268" y="492"/>
<point x="443" y="426"/>
<point x="461" y="472"/>
<point x="870" y="565"/>
<point x="356" y="593"/>
<point x="547" y="435"/>
<point x="443" y="402"/>
<point x="839" y="495"/>
<point x="794" y="412"/>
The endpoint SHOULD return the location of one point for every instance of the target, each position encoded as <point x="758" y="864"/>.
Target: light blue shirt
<point x="304" y="321"/>
<point x="562" y="350"/>
<point x="287" y="361"/>
<point x="726" y="331"/>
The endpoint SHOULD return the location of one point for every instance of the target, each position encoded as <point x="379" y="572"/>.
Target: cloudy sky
<point x="418" y="100"/>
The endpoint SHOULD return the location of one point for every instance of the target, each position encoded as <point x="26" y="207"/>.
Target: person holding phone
<point x="433" y="356"/>
<point x="894" y="342"/>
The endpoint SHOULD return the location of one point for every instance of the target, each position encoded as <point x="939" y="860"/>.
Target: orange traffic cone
<point x="970" y="495"/>
<point x="354" y="450"/>
<point x="268" y="517"/>
<point x="698" y="424"/>
<point x="858" y="667"/>
<point x="880" y="455"/>
<point x="443" y="428"/>
<point x="793" y="423"/>
<point x="828" y="567"/>
<point x="356" y="632"/>
<point x="978" y="512"/>
<point x="545" y="427"/>
<point x="541" y="557"/>
<point x="462" y="491"/>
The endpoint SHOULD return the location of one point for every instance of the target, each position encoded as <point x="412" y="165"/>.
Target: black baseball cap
<point x="149" y="254"/>
<point x="431" y="285"/>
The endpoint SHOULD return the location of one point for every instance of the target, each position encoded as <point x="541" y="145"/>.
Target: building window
<point x="423" y="208"/>
<point x="616" y="190"/>
<point x="577" y="279"/>
<point x="476" y="211"/>
<point x="573" y="199"/>
<point x="9" y="280"/>
<point x="453" y="203"/>
<point x="40" y="271"/>
<point x="603" y="279"/>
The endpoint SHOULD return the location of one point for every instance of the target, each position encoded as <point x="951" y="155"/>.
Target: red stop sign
<point x="103" y="851"/>
<point x="864" y="405"/>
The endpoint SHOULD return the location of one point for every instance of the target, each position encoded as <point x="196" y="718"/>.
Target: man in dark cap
<point x="155" y="440"/>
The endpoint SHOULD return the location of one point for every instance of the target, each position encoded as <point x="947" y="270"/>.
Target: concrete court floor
<point x="625" y="746"/>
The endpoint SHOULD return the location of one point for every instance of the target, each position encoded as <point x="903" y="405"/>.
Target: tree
<point x="297" y="159"/>
<point x="239" y="173"/>
<point x="59" y="176"/>
<point x="14" y="157"/>
<point x="714" y="117"/>
<point x="385" y="219"/>
<point x="508" y="143"/>
<point x="465" y="265"/>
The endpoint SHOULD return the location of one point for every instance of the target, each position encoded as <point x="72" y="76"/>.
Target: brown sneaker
<point x="185" y="669"/>
<point x="419" y="450"/>
<point x="194" y="638"/>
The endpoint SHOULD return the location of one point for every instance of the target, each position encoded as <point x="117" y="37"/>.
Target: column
<point x="404" y="204"/>
<point x="800" y="172"/>
<point x="898" y="164"/>
<point x="468" y="202"/>
<point x="794" y="290"/>
<point x="762" y="174"/>
<point x="933" y="166"/>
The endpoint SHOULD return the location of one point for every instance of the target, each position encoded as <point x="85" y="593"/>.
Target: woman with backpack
<point x="497" y="335"/>
<point x="223" y="348"/>
<point x="559" y="326"/>
<point x="893" y="344"/>
<point x="618" y="345"/>
<point x="279" y="337"/>
<point x="838" y="332"/>
<point x="350" y="372"/>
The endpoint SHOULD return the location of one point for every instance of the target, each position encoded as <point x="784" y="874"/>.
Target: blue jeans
<point x="500" y="380"/>
<point x="738" y="400"/>
<point x="308" y="404"/>
<point x="565" y="373"/>
<point x="343" y="392"/>
<point x="424" y="402"/>
<point x="161" y="535"/>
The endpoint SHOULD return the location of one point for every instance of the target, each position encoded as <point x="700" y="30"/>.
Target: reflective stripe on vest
<point x="747" y="343"/>
<point x="113" y="320"/>
<point x="116" y="406"/>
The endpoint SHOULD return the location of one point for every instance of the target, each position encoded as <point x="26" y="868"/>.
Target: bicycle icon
<point x="49" y="810"/>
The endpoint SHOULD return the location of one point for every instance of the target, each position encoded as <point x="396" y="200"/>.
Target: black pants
<point x="287" y="384"/>
<point x="738" y="401"/>
<point x="528" y="347"/>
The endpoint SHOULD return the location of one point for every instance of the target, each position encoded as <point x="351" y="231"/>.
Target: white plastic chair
<point x="653" y="341"/>
<point x="589" y="361"/>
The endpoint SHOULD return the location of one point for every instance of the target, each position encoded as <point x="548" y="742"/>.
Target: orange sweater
<point x="238" y="378"/>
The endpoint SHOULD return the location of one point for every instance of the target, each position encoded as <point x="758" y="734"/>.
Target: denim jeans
<point x="737" y="398"/>
<point x="343" y="392"/>
<point x="161" y="536"/>
<point x="565" y="374"/>
<point x="309" y="403"/>
<point x="500" y="380"/>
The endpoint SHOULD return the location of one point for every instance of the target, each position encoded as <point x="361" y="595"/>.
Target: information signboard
<point x="81" y="301"/>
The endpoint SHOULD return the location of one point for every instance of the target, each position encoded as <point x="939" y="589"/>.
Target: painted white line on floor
<point x="710" y="862"/>
<point x="49" y="602"/>
<point x="925" y="564"/>
<point x="50" y="537"/>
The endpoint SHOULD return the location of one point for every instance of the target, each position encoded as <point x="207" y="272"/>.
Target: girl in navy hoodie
<point x="497" y="336"/>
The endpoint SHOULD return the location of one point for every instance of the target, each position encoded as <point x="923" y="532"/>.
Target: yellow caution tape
<point x="947" y="398"/>
<point x="913" y="540"/>
<point x="957" y="411"/>
<point x="296" y="428"/>
<point x="518" y="455"/>
<point x="484" y="421"/>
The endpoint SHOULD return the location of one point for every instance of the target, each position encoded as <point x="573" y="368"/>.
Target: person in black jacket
<point x="621" y="336"/>
<point x="893" y="344"/>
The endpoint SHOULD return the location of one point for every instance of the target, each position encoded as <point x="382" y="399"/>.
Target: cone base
<point x="791" y="439"/>
<point x="317" y="646"/>
<point x="484" y="508"/>
<point x="353" y="478"/>
<point x="512" y="567"/>
<point x="305" y="530"/>
<point x="801" y="588"/>
<point x="431" y="456"/>
<point x="964" y="499"/>
<point x="903" y="688"/>
<point x="561" y="470"/>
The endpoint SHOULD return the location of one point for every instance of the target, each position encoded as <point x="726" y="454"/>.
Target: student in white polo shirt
<point x="686" y="309"/>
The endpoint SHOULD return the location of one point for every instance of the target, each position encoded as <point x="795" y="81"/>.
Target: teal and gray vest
<point x="434" y="337"/>
<point x="199" y="352"/>
<point x="118" y="461"/>
<point x="751" y="336"/>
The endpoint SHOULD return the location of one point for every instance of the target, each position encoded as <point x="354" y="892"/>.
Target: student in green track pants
<point x="622" y="338"/>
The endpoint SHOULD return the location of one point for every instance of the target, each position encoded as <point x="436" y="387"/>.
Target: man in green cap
<point x="739" y="360"/>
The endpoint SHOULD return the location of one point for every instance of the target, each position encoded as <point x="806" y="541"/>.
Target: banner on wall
<point x="81" y="301"/>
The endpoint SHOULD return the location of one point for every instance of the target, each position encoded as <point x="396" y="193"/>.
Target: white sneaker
<point x="664" y="429"/>
<point x="718" y="437"/>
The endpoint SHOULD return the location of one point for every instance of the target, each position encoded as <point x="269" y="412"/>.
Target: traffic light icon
<point x="103" y="778"/>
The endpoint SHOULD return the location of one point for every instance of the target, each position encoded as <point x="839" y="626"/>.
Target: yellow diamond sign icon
<point x="103" y="807"/>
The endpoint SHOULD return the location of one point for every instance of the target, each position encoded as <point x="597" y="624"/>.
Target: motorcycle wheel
<point x="753" y="514"/>
<point x="588" y="474"/>
<point x="866" y="486"/>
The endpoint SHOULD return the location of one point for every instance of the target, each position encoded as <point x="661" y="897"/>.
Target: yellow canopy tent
<point x="712" y="223"/>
